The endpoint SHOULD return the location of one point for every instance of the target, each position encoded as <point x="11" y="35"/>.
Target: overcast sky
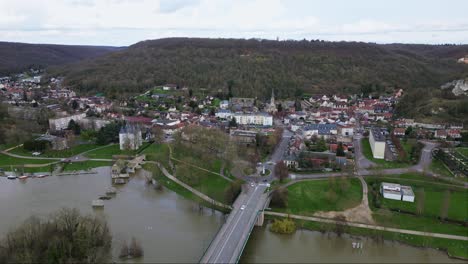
<point x="124" y="22"/>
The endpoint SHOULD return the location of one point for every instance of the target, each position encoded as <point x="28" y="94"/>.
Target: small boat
<point x="97" y="203"/>
<point x="41" y="175"/>
<point x="104" y="197"/>
<point x="11" y="177"/>
<point x="23" y="177"/>
<point x="111" y="191"/>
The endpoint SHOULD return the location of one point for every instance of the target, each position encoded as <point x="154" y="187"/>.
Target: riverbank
<point x="454" y="248"/>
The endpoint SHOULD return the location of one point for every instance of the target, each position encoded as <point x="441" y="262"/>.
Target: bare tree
<point x="281" y="171"/>
<point x="340" y="225"/>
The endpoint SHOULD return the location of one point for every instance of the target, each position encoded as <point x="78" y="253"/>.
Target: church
<point x="271" y="107"/>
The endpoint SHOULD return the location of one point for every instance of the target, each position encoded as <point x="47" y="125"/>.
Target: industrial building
<point x="396" y="191"/>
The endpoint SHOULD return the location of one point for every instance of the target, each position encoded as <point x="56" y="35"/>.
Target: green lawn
<point x="85" y="165"/>
<point x="209" y="184"/>
<point x="433" y="197"/>
<point x="381" y="163"/>
<point x="307" y="197"/>
<point x="66" y="153"/>
<point x="463" y="151"/>
<point x="111" y="150"/>
<point x="158" y="152"/>
<point x="420" y="223"/>
<point x="433" y="193"/>
<point x="175" y="187"/>
<point x="21" y="169"/>
<point x="6" y="160"/>
<point x="438" y="167"/>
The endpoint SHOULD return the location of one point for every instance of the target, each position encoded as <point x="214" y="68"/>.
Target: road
<point x="232" y="237"/>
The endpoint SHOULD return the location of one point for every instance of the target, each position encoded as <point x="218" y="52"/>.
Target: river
<point x="169" y="227"/>
<point x="173" y="229"/>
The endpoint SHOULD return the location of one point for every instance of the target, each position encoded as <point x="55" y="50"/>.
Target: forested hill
<point x="17" y="57"/>
<point x="254" y="67"/>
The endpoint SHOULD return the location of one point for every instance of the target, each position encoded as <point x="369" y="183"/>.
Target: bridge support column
<point x="260" y="219"/>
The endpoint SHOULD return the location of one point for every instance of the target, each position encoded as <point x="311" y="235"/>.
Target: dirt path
<point x="358" y="214"/>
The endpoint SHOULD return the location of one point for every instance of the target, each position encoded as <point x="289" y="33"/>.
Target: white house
<point x="223" y="114"/>
<point x="377" y="143"/>
<point x="347" y="131"/>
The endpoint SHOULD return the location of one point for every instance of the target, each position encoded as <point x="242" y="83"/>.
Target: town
<point x="346" y="158"/>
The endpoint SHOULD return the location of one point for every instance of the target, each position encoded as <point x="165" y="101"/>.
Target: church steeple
<point x="272" y="100"/>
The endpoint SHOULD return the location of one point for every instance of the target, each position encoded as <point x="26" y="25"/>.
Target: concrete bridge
<point x="231" y="239"/>
<point x="246" y="213"/>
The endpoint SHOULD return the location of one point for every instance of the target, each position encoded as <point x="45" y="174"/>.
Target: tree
<point x="280" y="107"/>
<point x="108" y="133"/>
<point x="233" y="122"/>
<point x="340" y="150"/>
<point x="444" y="207"/>
<point x="232" y="191"/>
<point x="298" y="105"/>
<point x="75" y="127"/>
<point x="36" y="145"/>
<point x="135" y="250"/>
<point x="65" y="237"/>
<point x="158" y="134"/>
<point x="408" y="131"/>
<point x="321" y="145"/>
<point x="341" y="225"/>
<point x="75" y="105"/>
<point x="279" y="197"/>
<point x="230" y="84"/>
<point x="281" y="171"/>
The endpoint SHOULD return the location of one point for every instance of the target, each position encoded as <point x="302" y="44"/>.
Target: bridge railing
<point x="248" y="236"/>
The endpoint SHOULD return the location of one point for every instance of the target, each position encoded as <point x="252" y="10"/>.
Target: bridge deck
<point x="229" y="242"/>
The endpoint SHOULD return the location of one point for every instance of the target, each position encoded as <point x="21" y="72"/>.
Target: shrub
<point x="285" y="226"/>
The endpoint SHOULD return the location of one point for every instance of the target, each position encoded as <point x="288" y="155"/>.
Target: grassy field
<point x="85" y="165"/>
<point x="158" y="152"/>
<point x="173" y="186"/>
<point x="463" y="151"/>
<point x="404" y="214"/>
<point x="381" y="163"/>
<point x="111" y="150"/>
<point x="6" y="160"/>
<point x="438" y="167"/>
<point x="66" y="153"/>
<point x="434" y="194"/>
<point x="209" y="184"/>
<point x="455" y="248"/>
<point x="307" y="197"/>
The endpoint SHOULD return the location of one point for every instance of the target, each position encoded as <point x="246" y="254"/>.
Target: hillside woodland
<point x="254" y="67"/>
<point x="17" y="57"/>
